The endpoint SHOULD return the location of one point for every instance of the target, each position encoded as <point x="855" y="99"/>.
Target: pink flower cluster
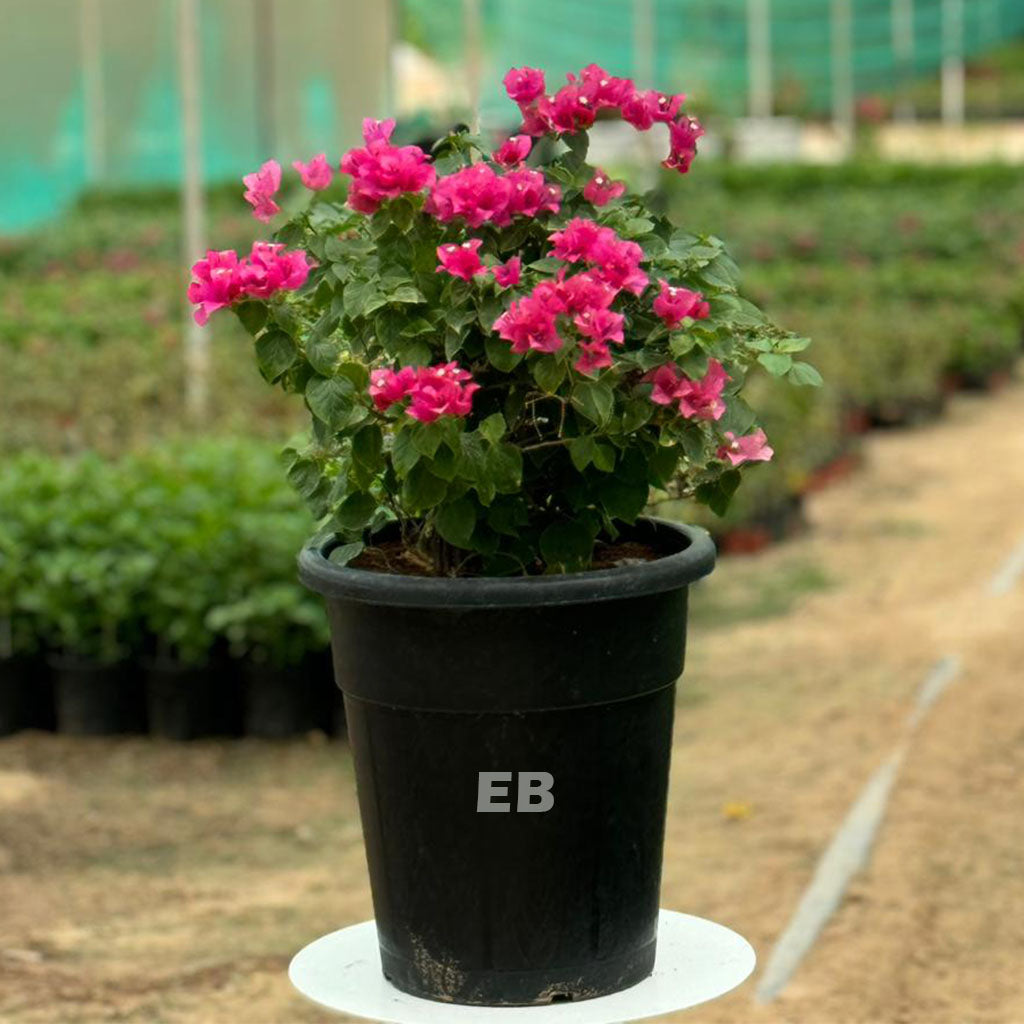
<point x="697" y="399"/>
<point x="464" y="261"/>
<point x="221" y="278"/>
<point x="574" y="107"/>
<point x="479" y="194"/>
<point x="673" y="305"/>
<point x="434" y="391"/>
<point x="316" y="175"/>
<point x="381" y="171"/>
<point x="586" y="241"/>
<point x="752" y="448"/>
<point x="260" y="188"/>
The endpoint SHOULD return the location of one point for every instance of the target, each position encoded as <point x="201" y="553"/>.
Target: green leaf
<point x="582" y="451"/>
<point x="403" y="453"/>
<point x="548" y="371"/>
<point x="253" y="315"/>
<point x="717" y="494"/>
<point x="604" y="458"/>
<point x="805" y="374"/>
<point x="636" y="413"/>
<point x="567" y="545"/>
<point x="500" y="354"/>
<point x="662" y="465"/>
<point x="493" y="428"/>
<point x="305" y="476"/>
<point x="505" y="467"/>
<point x="357" y="373"/>
<point x="594" y="400"/>
<point x="367" y="446"/>
<point x="406" y="293"/>
<point x="623" y="499"/>
<point x="356" y="510"/>
<point x="330" y="399"/>
<point x="775" y="363"/>
<point x="456" y="522"/>
<point x="323" y="354"/>
<point x="344" y="553"/>
<point x="427" y="437"/>
<point x="422" y="490"/>
<point x="792" y="344"/>
<point x="275" y="354"/>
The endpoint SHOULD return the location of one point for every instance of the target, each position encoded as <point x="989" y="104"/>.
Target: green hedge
<point x="166" y="553"/>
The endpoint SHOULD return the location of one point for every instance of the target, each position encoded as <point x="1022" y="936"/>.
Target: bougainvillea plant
<point x="502" y="348"/>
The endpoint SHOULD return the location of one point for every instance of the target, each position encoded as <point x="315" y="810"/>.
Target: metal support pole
<point x="953" y="62"/>
<point x="197" y="355"/>
<point x="842" y="70"/>
<point x="91" y="40"/>
<point x="759" y="58"/>
<point x="474" y="47"/>
<point x="903" y="52"/>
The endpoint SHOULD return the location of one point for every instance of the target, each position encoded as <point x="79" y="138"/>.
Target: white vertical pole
<point x="759" y="58"/>
<point x="197" y="356"/>
<point x="472" y="41"/>
<point x="903" y="51"/>
<point x="265" y="79"/>
<point x="842" y="70"/>
<point x="643" y="43"/>
<point x="953" y="62"/>
<point x="91" y="40"/>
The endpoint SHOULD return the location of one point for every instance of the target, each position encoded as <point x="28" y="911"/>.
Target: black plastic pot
<point x="26" y="695"/>
<point x="481" y="895"/>
<point x="183" y="701"/>
<point x="94" y="699"/>
<point x="286" y="701"/>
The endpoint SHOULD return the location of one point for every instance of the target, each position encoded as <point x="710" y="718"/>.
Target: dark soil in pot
<point x="26" y="695"/>
<point x="287" y="701"/>
<point x="184" y="702"/>
<point x="94" y="699"/>
<point x="511" y="740"/>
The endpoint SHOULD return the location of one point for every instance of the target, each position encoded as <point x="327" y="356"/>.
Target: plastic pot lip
<point x="693" y="558"/>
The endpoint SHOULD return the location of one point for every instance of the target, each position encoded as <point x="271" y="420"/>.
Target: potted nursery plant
<point x="500" y="360"/>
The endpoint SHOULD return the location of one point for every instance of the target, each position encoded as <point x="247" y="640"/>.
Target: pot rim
<point x="692" y="556"/>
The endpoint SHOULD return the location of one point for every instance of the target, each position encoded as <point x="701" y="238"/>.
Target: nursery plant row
<point x="157" y="592"/>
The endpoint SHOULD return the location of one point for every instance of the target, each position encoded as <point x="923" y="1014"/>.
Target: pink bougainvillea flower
<point x="531" y="193"/>
<point x="271" y="268"/>
<point x="594" y="356"/>
<point x="316" y="174"/>
<point x="507" y="274"/>
<point x="260" y="187"/>
<point x="752" y="448"/>
<point x="475" y="193"/>
<point x="513" y="151"/>
<point x="460" y="260"/>
<point x="390" y="386"/>
<point x="673" y="305"/>
<point x="683" y="136"/>
<point x="604" y="90"/>
<point x="524" y="85"/>
<point x="601" y="189"/>
<point x="583" y="291"/>
<point x="702" y="399"/>
<point x="441" y="391"/>
<point x="215" y="283"/>
<point x="568" y="111"/>
<point x="534" y="123"/>
<point x="381" y="171"/>
<point x="529" y="324"/>
<point x="666" y="380"/>
<point x="617" y="262"/>
<point x="576" y="241"/>
<point x="600" y="325"/>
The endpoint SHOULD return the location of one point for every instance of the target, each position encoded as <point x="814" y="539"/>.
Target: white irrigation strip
<point x="846" y="855"/>
<point x="1009" y="572"/>
<point x="850" y="848"/>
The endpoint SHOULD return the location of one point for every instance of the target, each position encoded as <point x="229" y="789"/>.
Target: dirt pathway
<point x="150" y="882"/>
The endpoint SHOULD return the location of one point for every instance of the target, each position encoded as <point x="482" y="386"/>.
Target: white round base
<point x="697" y="960"/>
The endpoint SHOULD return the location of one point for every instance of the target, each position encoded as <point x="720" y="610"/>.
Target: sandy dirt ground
<point x="144" y="881"/>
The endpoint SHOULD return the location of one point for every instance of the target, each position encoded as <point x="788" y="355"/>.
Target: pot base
<point x="697" y="960"/>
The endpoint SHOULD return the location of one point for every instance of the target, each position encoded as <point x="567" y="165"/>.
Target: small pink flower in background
<point x="604" y="90"/>
<point x="600" y="325"/>
<point x="702" y="399"/>
<point x="683" y="135"/>
<point x="378" y="131"/>
<point x="666" y="380"/>
<point x="601" y="190"/>
<point x="460" y="260"/>
<point x="260" y="187"/>
<point x="513" y="151"/>
<point x="507" y="274"/>
<point x="524" y="85"/>
<point x="673" y="305"/>
<point x="316" y="174"/>
<point x="441" y="391"/>
<point x="638" y="110"/>
<point x="390" y="386"/>
<point x="594" y="356"/>
<point x="752" y="448"/>
<point x="215" y="283"/>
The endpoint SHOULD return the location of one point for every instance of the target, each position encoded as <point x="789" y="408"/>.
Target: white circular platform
<point x="697" y="960"/>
